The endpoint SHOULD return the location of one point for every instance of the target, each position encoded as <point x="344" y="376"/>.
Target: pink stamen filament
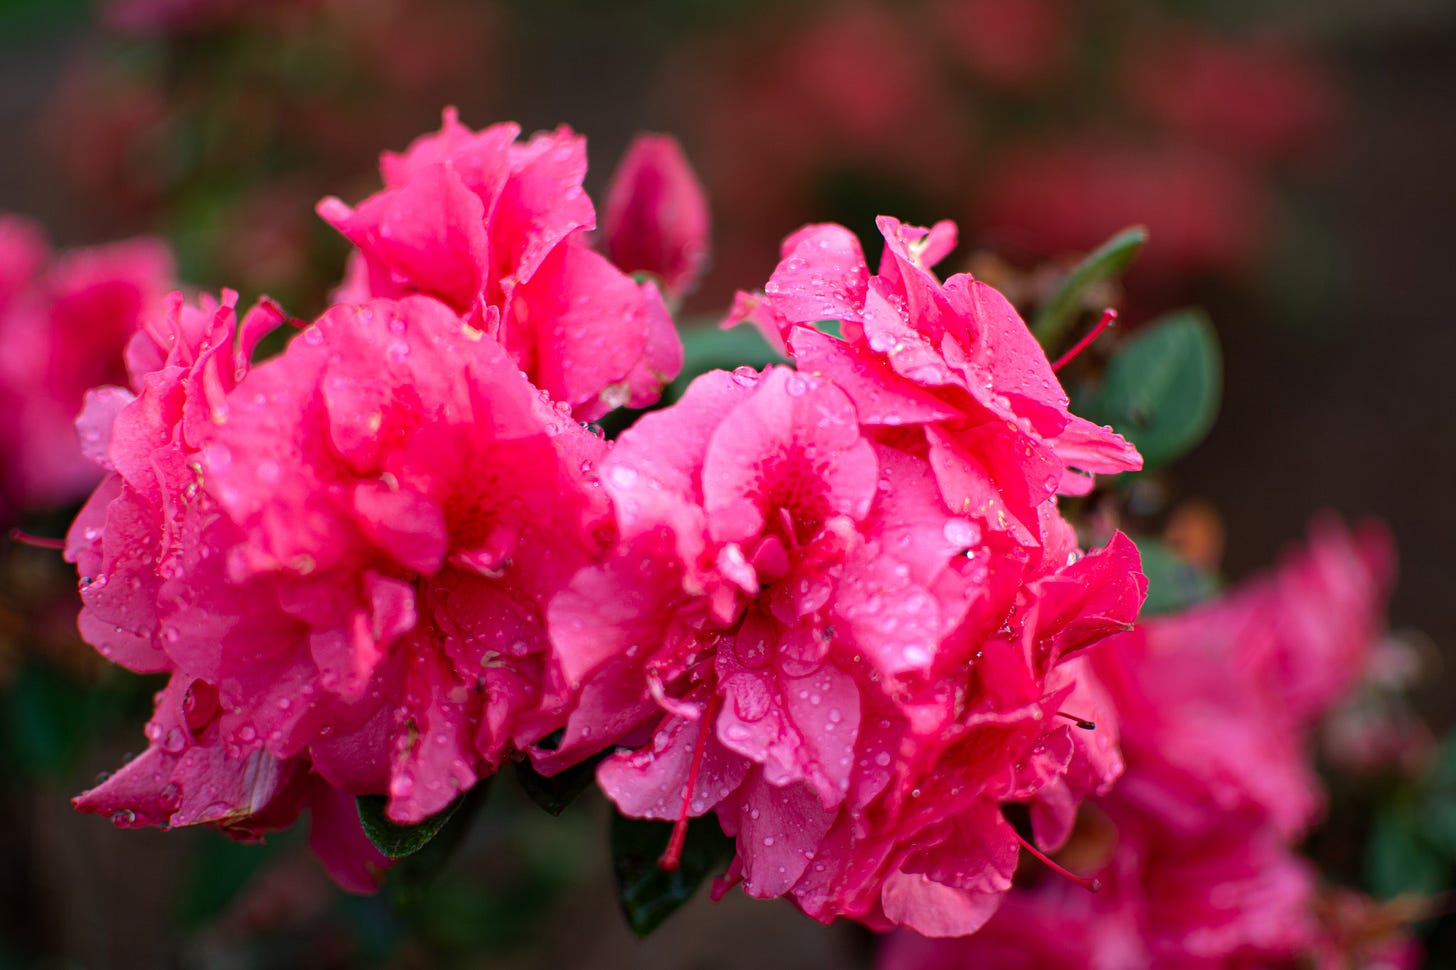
<point x="673" y="853"/>
<point x="1090" y="884"/>
<point x="1108" y="318"/>
<point x="1081" y="722"/>
<point x="39" y="542"/>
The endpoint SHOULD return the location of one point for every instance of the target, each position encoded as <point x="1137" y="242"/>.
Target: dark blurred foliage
<point x="1293" y="166"/>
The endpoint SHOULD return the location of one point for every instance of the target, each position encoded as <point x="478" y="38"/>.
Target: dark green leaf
<point x="49" y="718"/>
<point x="561" y="789"/>
<point x="1060" y="311"/>
<point x="1174" y="584"/>
<point x="1443" y="767"/>
<point x="1399" y="859"/>
<point x="649" y="895"/>
<point x="1162" y="388"/>
<point x="1440" y="823"/>
<point x="220" y="867"/>
<point x="397" y="841"/>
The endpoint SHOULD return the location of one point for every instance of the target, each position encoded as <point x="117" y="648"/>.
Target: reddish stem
<point x="1090" y="884"/>
<point x="673" y="855"/>
<point x="39" y="542"/>
<point x="1108" y="318"/>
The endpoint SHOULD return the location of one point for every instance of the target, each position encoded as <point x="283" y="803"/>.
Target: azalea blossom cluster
<point x="1195" y="845"/>
<point x="834" y="604"/>
<point x="64" y="319"/>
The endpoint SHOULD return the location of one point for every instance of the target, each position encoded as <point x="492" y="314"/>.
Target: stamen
<point x="1081" y="722"/>
<point x="673" y="854"/>
<point x="1090" y="884"/>
<point x="1109" y="317"/>
<point x="39" y="542"/>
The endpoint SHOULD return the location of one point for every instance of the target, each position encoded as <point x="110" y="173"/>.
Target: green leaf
<point x="647" y="894"/>
<point x="1443" y="767"/>
<point x="1174" y="584"/>
<point x="561" y="789"/>
<point x="1162" y="388"/>
<point x="394" y="840"/>
<point x="48" y="719"/>
<point x="707" y="348"/>
<point x="1440" y="823"/>
<point x="220" y="867"/>
<point x="835" y="328"/>
<point x="1399" y="859"/>
<point x="1056" y="316"/>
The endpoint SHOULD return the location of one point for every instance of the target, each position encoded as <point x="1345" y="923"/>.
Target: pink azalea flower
<point x="1195" y="842"/>
<point x="952" y="361"/>
<point x="1218" y="701"/>
<point x="657" y="214"/>
<point x="414" y="500"/>
<point x="342" y="555"/>
<point x="64" y="320"/>
<point x="133" y="543"/>
<point x="495" y="229"/>
<point x="853" y="677"/>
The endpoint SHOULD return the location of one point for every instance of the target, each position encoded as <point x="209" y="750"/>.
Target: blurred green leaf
<point x="1443" y="768"/>
<point x="1163" y="386"/>
<point x="647" y="894"/>
<point x="708" y="348"/>
<point x="1400" y="859"/>
<point x="1056" y="316"/>
<point x="1174" y="584"/>
<point x="394" y="840"/>
<point x="1440" y="824"/>
<point x="220" y="868"/>
<point x="48" y="720"/>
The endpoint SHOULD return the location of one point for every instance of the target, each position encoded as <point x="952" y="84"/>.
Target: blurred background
<point x="1292" y="162"/>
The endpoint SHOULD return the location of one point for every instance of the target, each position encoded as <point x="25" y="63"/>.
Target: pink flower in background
<point x="1195" y="843"/>
<point x="162" y="17"/>
<point x="1015" y="45"/>
<point x="496" y="230"/>
<point x="64" y="320"/>
<point x="657" y="214"/>
<point x="1207" y="212"/>
<point x="1253" y="97"/>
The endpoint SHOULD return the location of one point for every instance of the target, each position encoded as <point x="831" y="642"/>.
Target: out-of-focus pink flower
<point x="495" y="229"/>
<point x="1215" y="708"/>
<point x="1247" y="96"/>
<point x="952" y="362"/>
<point x="840" y="99"/>
<point x="64" y="320"/>
<point x="657" y="214"/>
<point x="1205" y="213"/>
<point x="1015" y="45"/>
<point x="166" y="17"/>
